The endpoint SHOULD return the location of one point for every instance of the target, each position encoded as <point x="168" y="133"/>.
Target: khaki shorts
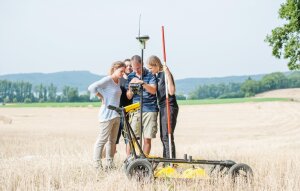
<point x="149" y="124"/>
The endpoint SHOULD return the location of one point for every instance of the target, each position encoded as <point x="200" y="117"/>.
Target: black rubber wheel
<point x="127" y="161"/>
<point x="140" y="169"/>
<point x="241" y="170"/>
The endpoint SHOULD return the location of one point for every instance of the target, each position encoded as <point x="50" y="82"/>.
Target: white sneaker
<point x="110" y="164"/>
<point x="98" y="164"/>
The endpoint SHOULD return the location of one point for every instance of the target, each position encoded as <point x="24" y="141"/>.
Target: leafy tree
<point x="294" y="80"/>
<point x="180" y="97"/>
<point x="70" y="94"/>
<point x="41" y="92"/>
<point x="285" y="40"/>
<point x="59" y="98"/>
<point x="73" y="95"/>
<point x="250" y="87"/>
<point x="217" y="91"/>
<point x="6" y="99"/>
<point x="3" y="88"/>
<point x="273" y="81"/>
<point x="84" y="97"/>
<point x="27" y="100"/>
<point x="52" y="92"/>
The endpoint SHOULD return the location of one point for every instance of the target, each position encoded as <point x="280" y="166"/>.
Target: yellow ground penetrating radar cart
<point x="140" y="166"/>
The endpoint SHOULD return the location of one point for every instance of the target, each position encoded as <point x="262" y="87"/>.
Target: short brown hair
<point x="136" y="58"/>
<point x="126" y="60"/>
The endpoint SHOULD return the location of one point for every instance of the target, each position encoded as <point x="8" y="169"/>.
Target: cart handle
<point x="129" y="108"/>
<point x="117" y="109"/>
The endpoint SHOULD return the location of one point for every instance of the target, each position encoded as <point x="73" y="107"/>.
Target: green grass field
<point x="227" y="101"/>
<point x="180" y="102"/>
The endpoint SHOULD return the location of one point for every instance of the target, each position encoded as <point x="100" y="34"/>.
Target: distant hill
<point x="79" y="79"/>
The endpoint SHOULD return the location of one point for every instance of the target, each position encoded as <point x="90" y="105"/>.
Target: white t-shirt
<point x="111" y="93"/>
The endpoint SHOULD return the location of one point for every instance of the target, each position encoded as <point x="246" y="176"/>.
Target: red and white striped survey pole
<point x="167" y="92"/>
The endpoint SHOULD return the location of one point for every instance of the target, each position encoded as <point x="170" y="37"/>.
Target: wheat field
<point x="51" y="148"/>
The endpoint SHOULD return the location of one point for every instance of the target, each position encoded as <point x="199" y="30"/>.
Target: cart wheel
<point x="241" y="170"/>
<point x="127" y="161"/>
<point x="140" y="169"/>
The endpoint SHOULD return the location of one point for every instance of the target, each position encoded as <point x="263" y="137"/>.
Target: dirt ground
<point x="293" y="93"/>
<point x="272" y="124"/>
<point x="264" y="135"/>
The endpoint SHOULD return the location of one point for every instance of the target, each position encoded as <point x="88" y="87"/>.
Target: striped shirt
<point x="149" y="100"/>
<point x="111" y="93"/>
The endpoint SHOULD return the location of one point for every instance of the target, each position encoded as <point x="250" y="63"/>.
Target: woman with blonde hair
<point x="155" y="66"/>
<point x="109" y="92"/>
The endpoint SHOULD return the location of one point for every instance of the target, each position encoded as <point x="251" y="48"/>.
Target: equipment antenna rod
<point x="140" y="25"/>
<point x="142" y="40"/>
<point x="141" y="91"/>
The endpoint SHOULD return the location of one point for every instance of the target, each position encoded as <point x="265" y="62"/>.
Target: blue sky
<point x="203" y="38"/>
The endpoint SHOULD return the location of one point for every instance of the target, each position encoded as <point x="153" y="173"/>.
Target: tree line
<point x="248" y="88"/>
<point x="25" y="92"/>
<point x="17" y="92"/>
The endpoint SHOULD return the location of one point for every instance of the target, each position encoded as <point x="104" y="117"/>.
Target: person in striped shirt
<point x="150" y="108"/>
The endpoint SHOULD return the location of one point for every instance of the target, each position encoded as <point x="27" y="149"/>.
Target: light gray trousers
<point x="108" y="134"/>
